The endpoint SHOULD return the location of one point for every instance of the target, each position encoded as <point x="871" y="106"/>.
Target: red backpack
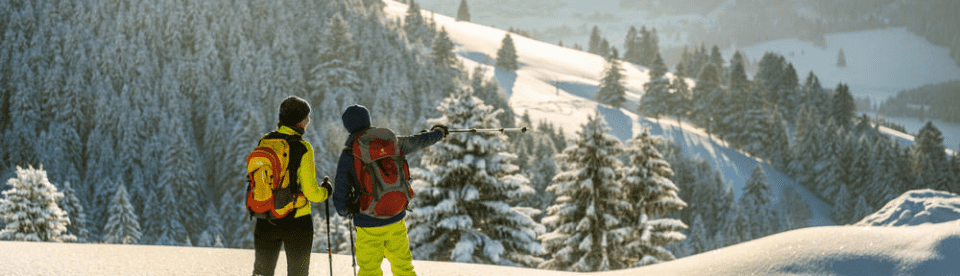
<point x="382" y="173"/>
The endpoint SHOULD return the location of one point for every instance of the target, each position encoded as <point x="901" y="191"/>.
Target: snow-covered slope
<point x="558" y="85"/>
<point x="916" y="207"/>
<point x="930" y="249"/>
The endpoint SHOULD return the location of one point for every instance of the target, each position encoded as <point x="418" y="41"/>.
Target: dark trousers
<point x="296" y="236"/>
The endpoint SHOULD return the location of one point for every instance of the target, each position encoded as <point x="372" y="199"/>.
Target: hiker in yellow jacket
<point x="294" y="232"/>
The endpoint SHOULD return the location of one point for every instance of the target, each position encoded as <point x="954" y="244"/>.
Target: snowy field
<point x="926" y="246"/>
<point x="880" y="63"/>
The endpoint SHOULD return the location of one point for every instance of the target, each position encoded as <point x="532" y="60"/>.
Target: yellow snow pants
<point x="374" y="243"/>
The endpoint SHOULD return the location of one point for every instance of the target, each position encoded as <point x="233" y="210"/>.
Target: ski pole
<point x="353" y="248"/>
<point x="501" y="130"/>
<point x="329" y="250"/>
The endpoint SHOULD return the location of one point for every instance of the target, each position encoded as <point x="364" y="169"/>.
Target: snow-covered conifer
<point x="29" y="209"/>
<point x="123" y="226"/>
<point x="589" y="230"/>
<point x="795" y="210"/>
<point x="78" y="217"/>
<point x="507" y="55"/>
<point x="655" y="100"/>
<point x="612" y="91"/>
<point x="928" y="159"/>
<point x="442" y="51"/>
<point x="467" y="181"/>
<point x="861" y="209"/>
<point x="648" y="188"/>
<point x="756" y="205"/>
<point x="698" y="239"/>
<point x="842" y="205"/>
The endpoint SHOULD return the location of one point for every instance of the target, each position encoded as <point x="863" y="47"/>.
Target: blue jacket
<point x="356" y="119"/>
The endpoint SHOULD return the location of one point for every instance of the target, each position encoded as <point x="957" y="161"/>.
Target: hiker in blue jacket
<point x="376" y="238"/>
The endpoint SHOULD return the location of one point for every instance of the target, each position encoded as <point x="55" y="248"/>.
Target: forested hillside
<point x="166" y="97"/>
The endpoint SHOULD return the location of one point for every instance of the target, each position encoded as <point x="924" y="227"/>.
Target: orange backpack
<point x="273" y="189"/>
<point x="382" y="173"/>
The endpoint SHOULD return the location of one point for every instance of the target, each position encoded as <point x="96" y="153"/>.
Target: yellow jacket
<point x="307" y="174"/>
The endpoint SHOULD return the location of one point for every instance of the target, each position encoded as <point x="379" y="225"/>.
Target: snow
<point x="880" y="62"/>
<point x="928" y="249"/>
<point x="558" y="85"/>
<point x="916" y="207"/>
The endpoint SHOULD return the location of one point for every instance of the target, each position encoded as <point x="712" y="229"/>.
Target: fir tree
<point x="842" y="206"/>
<point x="631" y="46"/>
<point x="928" y="159"/>
<point x="442" y="51"/>
<point x="648" y="187"/>
<point x="698" y="239"/>
<point x="612" y="91"/>
<point x="589" y="232"/>
<point x="705" y="94"/>
<point x="122" y="227"/>
<point x="29" y="209"/>
<point x="796" y="212"/>
<point x="655" y="100"/>
<point x="860" y="210"/>
<point x="841" y="59"/>
<point x="74" y="210"/>
<point x="463" y="12"/>
<point x="844" y="108"/>
<point x="507" y="55"/>
<point x="756" y="205"/>
<point x="468" y="181"/>
<point x="594" y="46"/>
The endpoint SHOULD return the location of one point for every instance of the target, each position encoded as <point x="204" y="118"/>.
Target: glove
<point x="444" y="131"/>
<point x="326" y="185"/>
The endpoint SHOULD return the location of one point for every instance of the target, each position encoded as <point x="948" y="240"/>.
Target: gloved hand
<point x="444" y="130"/>
<point x="326" y="185"/>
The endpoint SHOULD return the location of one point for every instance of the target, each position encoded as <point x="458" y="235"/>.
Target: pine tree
<point x="507" y="55"/>
<point x="468" y="181"/>
<point x="698" y="239"/>
<point x="122" y="227"/>
<point x="655" y="100"/>
<point x="680" y="99"/>
<point x="705" y="94"/>
<point x="442" y="51"/>
<point x="842" y="206"/>
<point x="648" y="187"/>
<point x="588" y="233"/>
<point x="631" y="46"/>
<point x="74" y="210"/>
<point x="542" y="170"/>
<point x="796" y="211"/>
<point x="29" y="209"/>
<point x="928" y="159"/>
<point x="844" y="107"/>
<point x="463" y="12"/>
<point x="841" y="59"/>
<point x="593" y="46"/>
<point x="612" y="91"/>
<point x="827" y="168"/>
<point x="860" y="210"/>
<point x="756" y="205"/>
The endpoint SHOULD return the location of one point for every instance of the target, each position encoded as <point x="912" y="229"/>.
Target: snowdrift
<point x="916" y="207"/>
<point x="927" y="249"/>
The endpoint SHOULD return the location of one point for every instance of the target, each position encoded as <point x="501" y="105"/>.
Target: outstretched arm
<point x="416" y="142"/>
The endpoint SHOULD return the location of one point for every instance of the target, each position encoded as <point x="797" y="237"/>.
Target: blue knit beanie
<point x="356" y="118"/>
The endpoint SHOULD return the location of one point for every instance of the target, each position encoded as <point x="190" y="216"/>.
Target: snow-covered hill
<point x="925" y="243"/>
<point x="558" y="85"/>
<point x="930" y="249"/>
<point x="916" y="207"/>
